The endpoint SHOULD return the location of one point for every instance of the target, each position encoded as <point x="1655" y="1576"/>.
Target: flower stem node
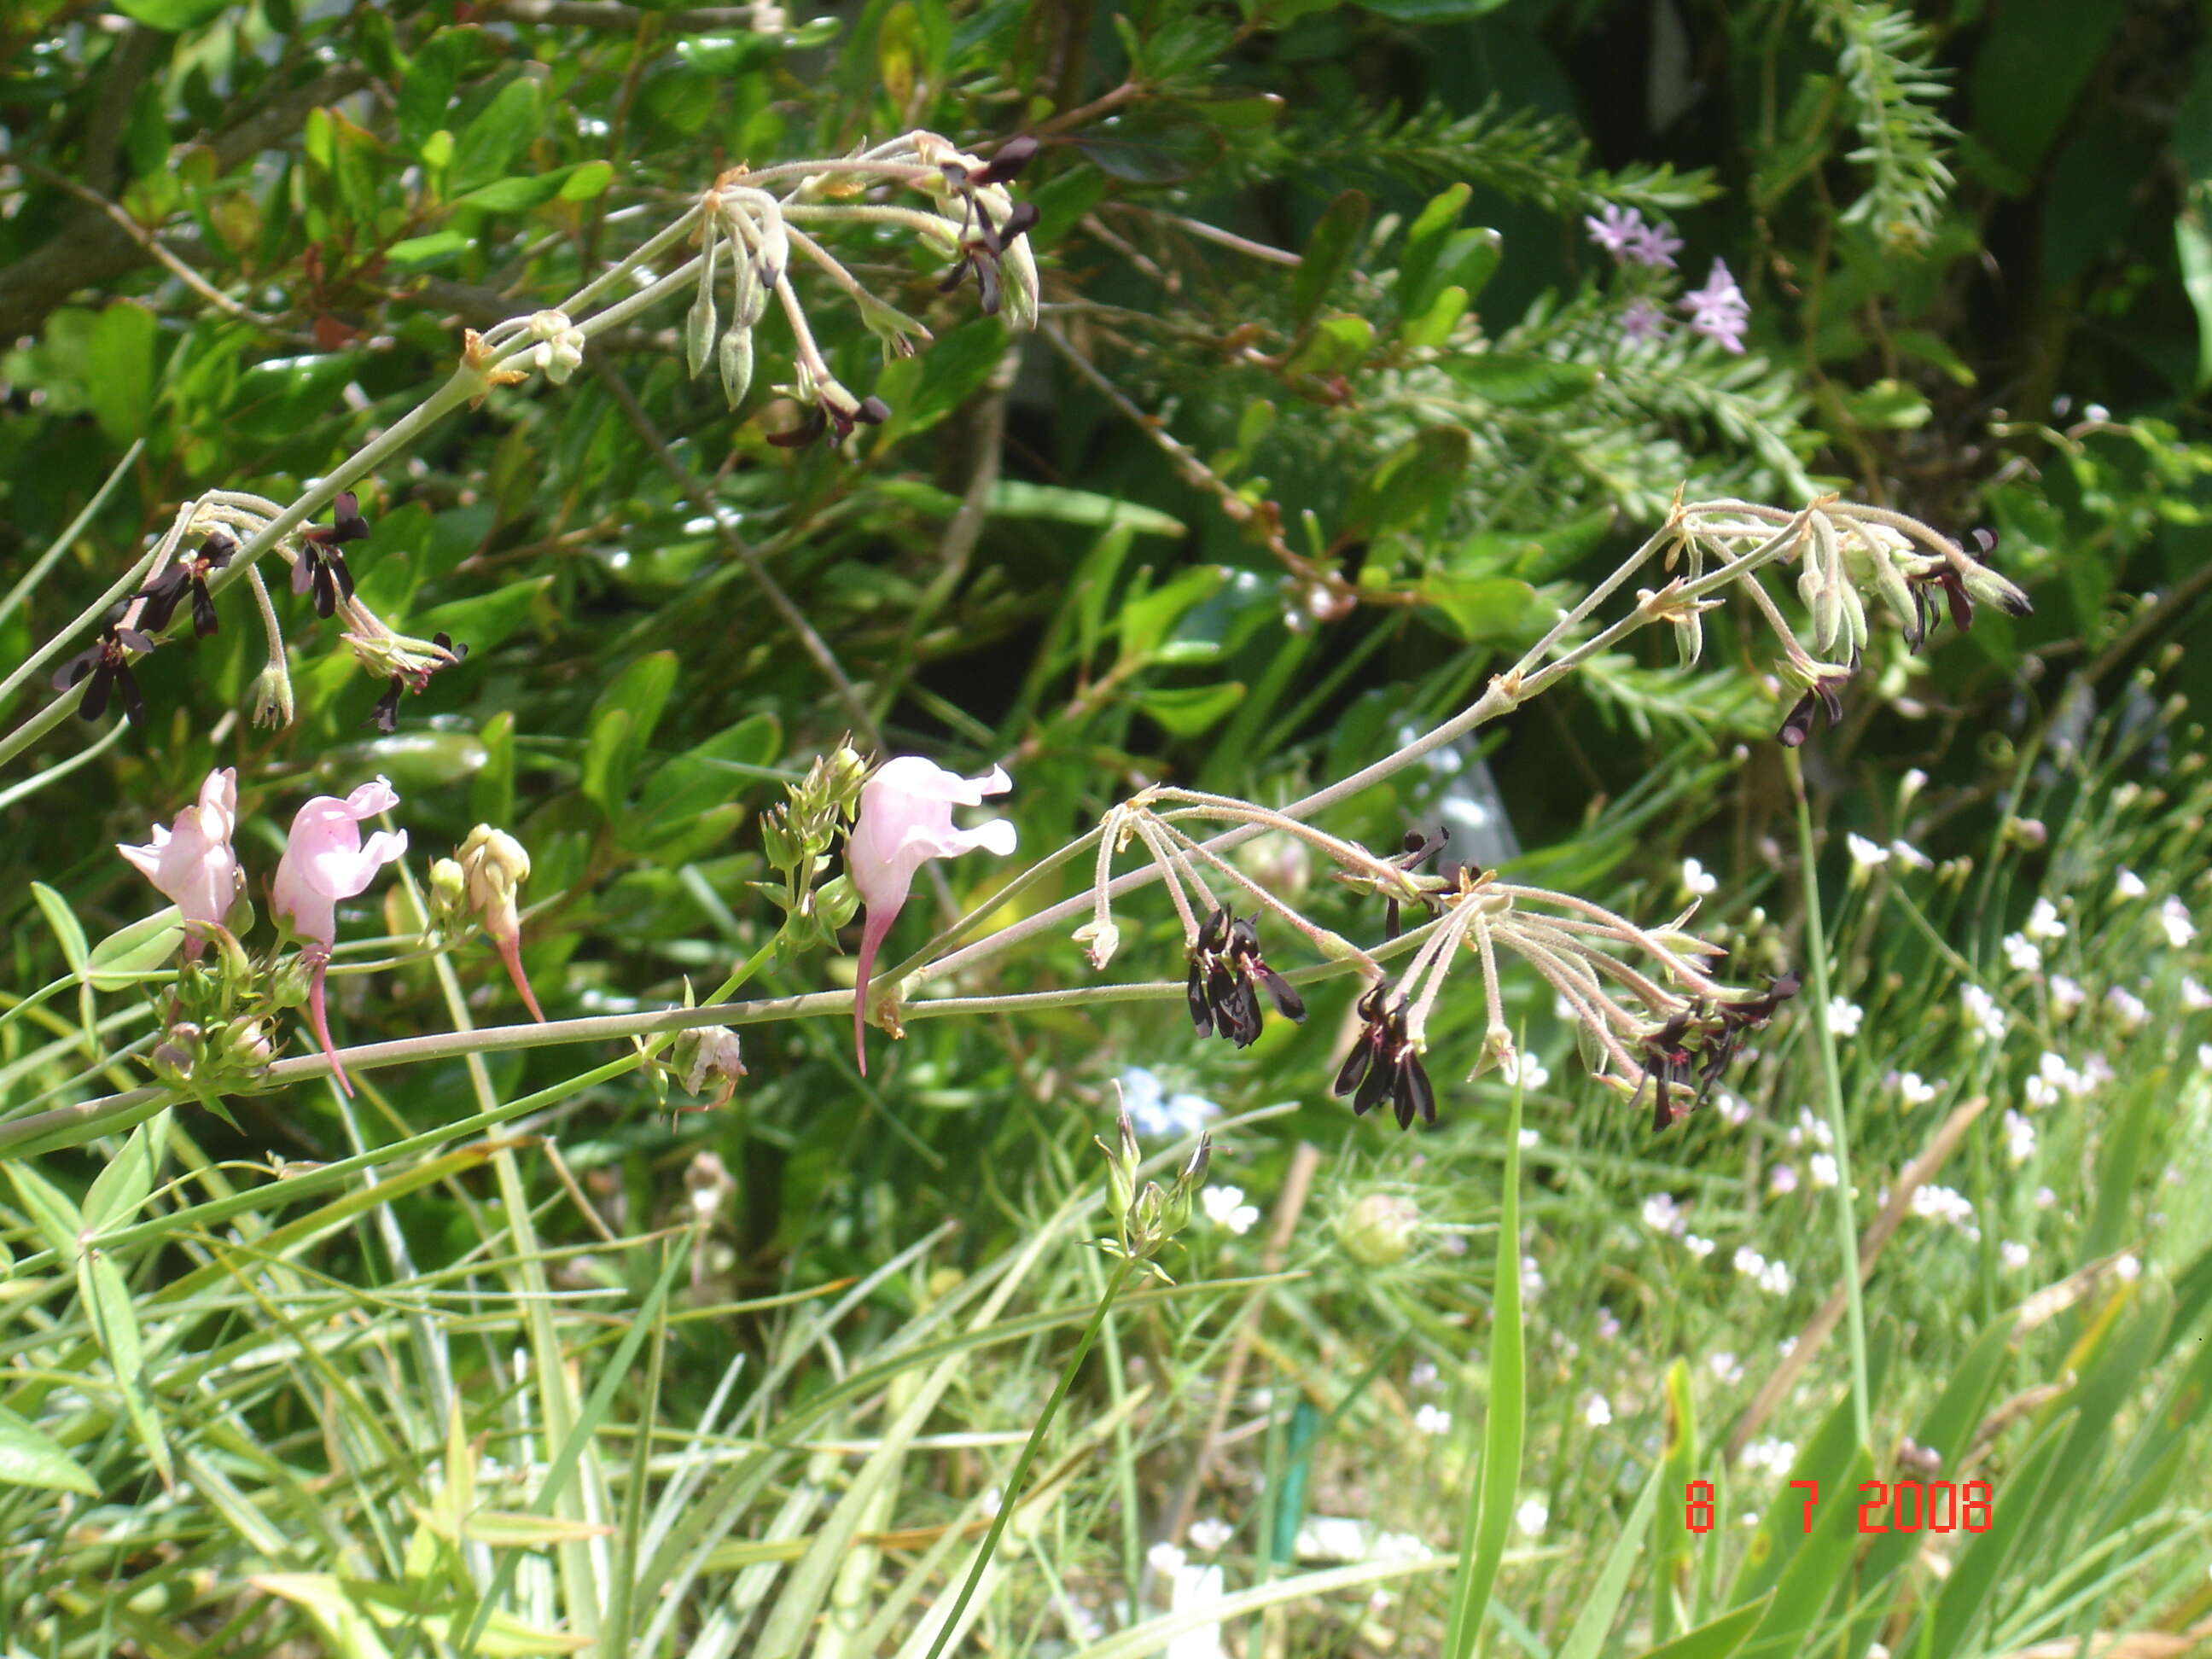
<point x="477" y="360"/>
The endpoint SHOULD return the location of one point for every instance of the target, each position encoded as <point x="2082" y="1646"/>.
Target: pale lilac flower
<point x="1943" y="1204"/>
<point x="1154" y="1113"/>
<point x="2174" y="916"/>
<point x="1662" y="1214"/>
<point x="191" y="862"/>
<point x="1780" y="1181"/>
<point x="2012" y="1255"/>
<point x="1654" y="244"/>
<point x="1433" y="1420"/>
<point x="2128" y="1268"/>
<point x="2043" y="920"/>
<point x="2194" y="996"/>
<point x="1226" y="1207"/>
<point x="2066" y="995"/>
<point x="2045" y="1199"/>
<point x="2204" y="1056"/>
<point x="1532" y="1279"/>
<point x="1910" y="856"/>
<point x="1697" y="880"/>
<point x="1613" y="227"/>
<point x="1699" y="1248"/>
<point x="2128" y="885"/>
<point x="2127" y="1007"/>
<point x="1423" y="1375"/>
<point x="326" y="860"/>
<point x="1735" y="1109"/>
<point x="1725" y="1367"/>
<point x="2019" y="1139"/>
<point x="1608" y="1327"/>
<point x="1865" y="855"/>
<point x="1811" y="1129"/>
<point x="1749" y="1263"/>
<point x="1597" y="1410"/>
<point x="2021" y="954"/>
<point x="905" y="820"/>
<point x="1718" y="310"/>
<point x="1641" y="322"/>
<point x="1786" y="1347"/>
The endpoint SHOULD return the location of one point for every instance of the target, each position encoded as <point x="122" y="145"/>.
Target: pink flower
<point x="1641" y="321"/>
<point x="1653" y="245"/>
<point x="1718" y="310"/>
<point x="1615" y="228"/>
<point x="905" y="820"/>
<point x="326" y="860"/>
<point x="191" y="862"/>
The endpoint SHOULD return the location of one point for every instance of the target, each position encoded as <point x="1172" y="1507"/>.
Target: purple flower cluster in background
<point x="1717" y="310"/>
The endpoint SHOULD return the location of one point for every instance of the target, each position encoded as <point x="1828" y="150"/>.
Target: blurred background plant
<point x="1338" y="395"/>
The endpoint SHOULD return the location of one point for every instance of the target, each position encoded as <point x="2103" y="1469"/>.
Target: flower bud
<point x="493" y="866"/>
<point x="710" y="1052"/>
<point x="1380" y="1230"/>
<point x="448" y="898"/>
<point x="272" y="694"/>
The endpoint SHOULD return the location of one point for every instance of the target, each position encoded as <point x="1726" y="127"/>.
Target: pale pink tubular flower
<point x="905" y="820"/>
<point x="326" y="860"/>
<point x="191" y="862"/>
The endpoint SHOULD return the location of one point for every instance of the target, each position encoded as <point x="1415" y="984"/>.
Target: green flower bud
<point x="1381" y="1230"/>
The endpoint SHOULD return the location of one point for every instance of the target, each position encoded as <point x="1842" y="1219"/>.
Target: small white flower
<point x="1780" y="1181"/>
<point x="2043" y="920"/>
<point x="2204" y="1056"/>
<point x="2045" y="1198"/>
<point x="1165" y="1559"/>
<point x="2021" y="954"/>
<point x="1774" y="1279"/>
<point x="2012" y="1255"/>
<point x="1913" y="1090"/>
<point x="2127" y="1007"/>
<point x="2174" y="916"/>
<point x="1531" y="1137"/>
<point x="1697" y="880"/>
<point x="1533" y="1516"/>
<point x="1749" y="1263"/>
<point x="1786" y="1347"/>
<point x="1209" y="1534"/>
<point x="1726" y="1368"/>
<point x="2194" y="996"/>
<point x="2066" y="995"/>
<point x="1735" y="1109"/>
<point x="1943" y="1204"/>
<point x="1875" y="1650"/>
<point x="1811" y="1129"/>
<point x="1865" y="855"/>
<point x="1910" y="856"/>
<point x="1607" y="1325"/>
<point x="2019" y="1139"/>
<point x="1843" y="1018"/>
<point x="1750" y="1518"/>
<point x="2128" y="885"/>
<point x="1423" y="1375"/>
<point x="1597" y="1410"/>
<point x="2128" y="1269"/>
<point x="1532" y="1279"/>
<point x="1433" y="1420"/>
<point x="1822" y="1168"/>
<point x="1662" y="1215"/>
<point x="1226" y="1207"/>
<point x="1699" y="1248"/>
<point x="1767" y="1453"/>
<point x="1984" y="1016"/>
<point x="1525" y="1069"/>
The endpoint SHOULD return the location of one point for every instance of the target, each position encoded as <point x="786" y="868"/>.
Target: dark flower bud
<point x="1007" y="161"/>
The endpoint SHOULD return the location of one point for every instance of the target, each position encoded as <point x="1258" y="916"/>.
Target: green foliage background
<point x="1336" y="254"/>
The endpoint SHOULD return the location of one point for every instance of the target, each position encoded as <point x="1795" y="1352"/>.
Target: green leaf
<point x="1716" y="1639"/>
<point x="1433" y="327"/>
<point x="517" y="195"/>
<point x="1186" y="711"/>
<point x="174" y="15"/>
<point x="50" y="1211"/>
<point x="1419" y="280"/>
<point x="1675" y="1565"/>
<point x="622" y="726"/>
<point x="1515" y="380"/>
<point x="433" y="75"/>
<point x="1975" y="1572"/>
<point x="68" y="931"/>
<point x="29" y="1458"/>
<point x="2035" y="58"/>
<point x="118" y="1190"/>
<point x="707" y="774"/>
<point x="1432" y="11"/>
<point x="1819" y="1564"/>
<point x="118" y="961"/>
<point x="1603" y="1600"/>
<point x="1013" y="498"/>
<point x="2192" y="245"/>
<point x="1146" y="617"/>
<point x="118" y="369"/>
<point x="587" y="179"/>
<point x="1488" y="608"/>
<point x="483" y="149"/>
<point x="115" y="1328"/>
<point x="1889" y="406"/>
<point x="482" y="622"/>
<point x="1328" y="254"/>
<point x="1490" y="1498"/>
<point x="1338" y="344"/>
<point x="1412" y="484"/>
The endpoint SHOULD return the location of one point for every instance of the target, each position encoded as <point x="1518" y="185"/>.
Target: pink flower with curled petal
<point x="326" y="860"/>
<point x="905" y="820"/>
<point x="191" y="862"/>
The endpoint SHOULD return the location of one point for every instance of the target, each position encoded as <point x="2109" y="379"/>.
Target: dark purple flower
<point x="188" y="574"/>
<point x="415" y="677"/>
<point x="1384" y="1063"/>
<point x="105" y="665"/>
<point x="1226" y="966"/>
<point x="322" y="566"/>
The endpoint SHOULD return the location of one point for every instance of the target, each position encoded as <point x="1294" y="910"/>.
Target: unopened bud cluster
<point x="1147" y="1218"/>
